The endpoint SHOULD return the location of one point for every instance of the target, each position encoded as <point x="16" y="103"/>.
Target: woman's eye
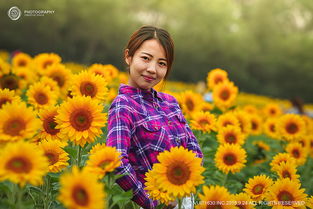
<point x="145" y="58"/>
<point x="163" y="64"/>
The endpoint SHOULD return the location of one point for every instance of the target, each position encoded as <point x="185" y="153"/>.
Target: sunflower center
<point x="49" y="125"/>
<point x="292" y="128"/>
<point x="41" y="98"/>
<point x="190" y="104"/>
<point x="52" y="157"/>
<point x="225" y="94"/>
<point x="22" y="63"/>
<point x="47" y="63"/>
<point x="229" y="159"/>
<point x="178" y="174"/>
<point x="88" y="89"/>
<point x="3" y="101"/>
<point x="9" y="82"/>
<point x="295" y="153"/>
<point x="226" y="123"/>
<point x="254" y="125"/>
<point x="218" y="79"/>
<point x="230" y="138"/>
<point x="286" y="174"/>
<point x="273" y="111"/>
<point x="81" y="119"/>
<point x="311" y="144"/>
<point x="13" y="127"/>
<point x="19" y="165"/>
<point x="203" y="122"/>
<point x="286" y="197"/>
<point x="258" y="189"/>
<point x="59" y="79"/>
<point x="103" y="164"/>
<point x="272" y="128"/>
<point x="80" y="196"/>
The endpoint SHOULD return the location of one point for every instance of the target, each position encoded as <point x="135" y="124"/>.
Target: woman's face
<point x="147" y="66"/>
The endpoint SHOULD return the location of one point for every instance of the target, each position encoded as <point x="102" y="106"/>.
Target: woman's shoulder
<point x="167" y="98"/>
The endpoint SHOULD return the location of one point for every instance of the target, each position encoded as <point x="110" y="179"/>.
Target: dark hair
<point x="150" y="32"/>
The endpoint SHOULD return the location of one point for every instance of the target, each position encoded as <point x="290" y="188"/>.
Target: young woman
<point x="143" y="122"/>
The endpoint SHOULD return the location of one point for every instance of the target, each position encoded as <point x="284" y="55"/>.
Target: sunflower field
<point x="257" y="153"/>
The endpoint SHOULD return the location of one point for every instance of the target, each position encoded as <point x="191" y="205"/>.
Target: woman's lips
<point x="147" y="78"/>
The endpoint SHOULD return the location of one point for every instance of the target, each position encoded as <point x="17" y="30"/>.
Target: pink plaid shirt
<point x="142" y="124"/>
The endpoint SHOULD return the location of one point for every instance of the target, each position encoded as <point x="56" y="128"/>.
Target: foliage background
<point x="265" y="45"/>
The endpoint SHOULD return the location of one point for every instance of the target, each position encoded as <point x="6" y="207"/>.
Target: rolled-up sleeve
<point x="120" y="126"/>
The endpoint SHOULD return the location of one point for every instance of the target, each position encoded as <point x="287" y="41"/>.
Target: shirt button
<point x="177" y="140"/>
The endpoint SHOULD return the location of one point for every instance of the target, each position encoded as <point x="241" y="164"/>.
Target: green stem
<point x="79" y="155"/>
<point x="225" y="179"/>
<point x="19" y="195"/>
<point x="180" y="202"/>
<point x="47" y="193"/>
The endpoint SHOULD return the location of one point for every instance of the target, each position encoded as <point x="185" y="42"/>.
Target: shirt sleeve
<point x="119" y="136"/>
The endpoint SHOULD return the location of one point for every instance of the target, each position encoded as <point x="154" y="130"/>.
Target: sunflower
<point x="26" y="75"/>
<point x="287" y="170"/>
<point x="191" y="102"/>
<point x="17" y="122"/>
<point x="309" y="202"/>
<point x="230" y="135"/>
<point x="111" y="95"/>
<point x="4" y="67"/>
<point x="52" y="84"/>
<point x="272" y="110"/>
<point x="152" y="187"/>
<point x="206" y="107"/>
<point x="227" y="119"/>
<point x="286" y="194"/>
<point x="7" y="96"/>
<point x="257" y="187"/>
<point x="291" y="126"/>
<point x="296" y="150"/>
<point x="270" y="128"/>
<point x="81" y="119"/>
<point x="109" y="72"/>
<point x="305" y="142"/>
<point x="256" y="124"/>
<point x="261" y="145"/>
<point x="56" y="155"/>
<point x="41" y="96"/>
<point x="89" y="84"/>
<point x="123" y="78"/>
<point x="22" y="162"/>
<point x="49" y="131"/>
<point x="243" y="201"/>
<point x="81" y="190"/>
<point x="244" y="121"/>
<point x="103" y="161"/>
<point x="281" y="158"/>
<point x="178" y="172"/>
<point x="230" y="157"/>
<point x="11" y="82"/>
<point x="61" y="75"/>
<point x="251" y="109"/>
<point x="44" y="60"/>
<point x="75" y="67"/>
<point x="97" y="148"/>
<point x="204" y="121"/>
<point x="21" y="60"/>
<point x="215" y="77"/>
<point x="215" y="197"/>
<point x="224" y="95"/>
<point x="310" y="141"/>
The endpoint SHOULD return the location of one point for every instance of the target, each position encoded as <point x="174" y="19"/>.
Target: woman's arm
<point x="119" y="136"/>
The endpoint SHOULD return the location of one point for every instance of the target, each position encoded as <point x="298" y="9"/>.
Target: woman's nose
<point x="151" y="68"/>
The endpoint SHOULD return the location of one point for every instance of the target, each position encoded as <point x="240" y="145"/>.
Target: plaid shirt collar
<point x="136" y="93"/>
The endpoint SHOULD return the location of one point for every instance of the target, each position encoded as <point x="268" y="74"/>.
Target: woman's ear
<point x="127" y="57"/>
